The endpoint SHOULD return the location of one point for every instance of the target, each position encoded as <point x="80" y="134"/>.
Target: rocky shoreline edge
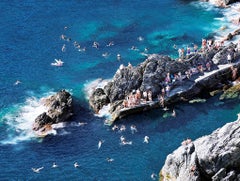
<point x="213" y="157"/>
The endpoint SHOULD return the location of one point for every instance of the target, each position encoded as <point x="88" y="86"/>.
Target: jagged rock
<point x="42" y="120"/>
<point x="213" y="157"/>
<point x="221" y="56"/>
<point x="59" y="109"/>
<point x="98" y="99"/>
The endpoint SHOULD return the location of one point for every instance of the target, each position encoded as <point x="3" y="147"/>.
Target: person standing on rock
<point x="229" y="58"/>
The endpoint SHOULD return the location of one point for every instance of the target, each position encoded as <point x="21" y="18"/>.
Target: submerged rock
<point x="212" y="157"/>
<point x="231" y="93"/>
<point x="59" y="109"/>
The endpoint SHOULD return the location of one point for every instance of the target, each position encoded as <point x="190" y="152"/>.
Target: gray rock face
<point x="59" y="107"/>
<point x="213" y="157"/>
<point x="152" y="73"/>
<point x="98" y="99"/>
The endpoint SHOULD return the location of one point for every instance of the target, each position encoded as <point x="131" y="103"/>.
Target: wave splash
<point x="20" y="119"/>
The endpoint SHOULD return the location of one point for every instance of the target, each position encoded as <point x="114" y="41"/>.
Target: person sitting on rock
<point x="125" y="103"/>
<point x="145" y="96"/>
<point x="229" y="58"/>
<point x="161" y="100"/>
<point x="149" y="94"/>
<point x="167" y="90"/>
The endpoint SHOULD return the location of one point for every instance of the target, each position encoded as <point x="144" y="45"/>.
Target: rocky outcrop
<point x="221" y="3"/>
<point x="151" y="75"/>
<point x="213" y="157"/>
<point x="59" y="109"/>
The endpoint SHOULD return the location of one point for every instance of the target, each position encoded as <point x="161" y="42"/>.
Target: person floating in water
<point x="153" y="176"/>
<point x="133" y="129"/>
<point x="146" y="139"/>
<point x="17" y="82"/>
<point x="54" y="165"/>
<point x="63" y="48"/>
<point x="76" y="165"/>
<point x="110" y="160"/>
<point x="111" y="43"/>
<point x="100" y="144"/>
<point x="95" y="45"/>
<point x="37" y="170"/>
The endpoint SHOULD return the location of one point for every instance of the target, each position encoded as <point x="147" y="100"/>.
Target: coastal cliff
<point x="59" y="109"/>
<point x="213" y="157"/>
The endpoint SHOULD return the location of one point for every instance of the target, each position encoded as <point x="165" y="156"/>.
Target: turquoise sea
<point x="30" y="41"/>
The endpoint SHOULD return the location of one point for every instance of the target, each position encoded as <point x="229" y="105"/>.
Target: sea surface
<point x="31" y="40"/>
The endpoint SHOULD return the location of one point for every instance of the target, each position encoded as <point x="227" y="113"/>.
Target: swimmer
<point x="111" y="43"/>
<point x="153" y="176"/>
<point x="54" y="165"/>
<point x="105" y="55"/>
<point x="118" y="56"/>
<point x="133" y="129"/>
<point x="82" y="124"/>
<point x="123" y="128"/>
<point x="175" y="46"/>
<point x="126" y="142"/>
<point x="140" y="38"/>
<point x="95" y="45"/>
<point x="82" y="49"/>
<point x="115" y="127"/>
<point x="173" y="113"/>
<point x="146" y="139"/>
<point x="17" y="82"/>
<point x="122" y="139"/>
<point x="100" y="144"/>
<point x="110" y="160"/>
<point x="63" y="48"/>
<point x="76" y="165"/>
<point x="37" y="170"/>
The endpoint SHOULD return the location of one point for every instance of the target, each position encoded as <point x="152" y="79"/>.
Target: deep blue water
<point x="30" y="41"/>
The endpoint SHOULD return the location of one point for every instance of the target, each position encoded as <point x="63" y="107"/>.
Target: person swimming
<point x="146" y="139"/>
<point x="133" y="129"/>
<point x="118" y="56"/>
<point x="153" y="176"/>
<point x="63" y="48"/>
<point x="17" y="82"/>
<point x="37" y="170"/>
<point x="110" y="160"/>
<point x="76" y="165"/>
<point x="82" y="123"/>
<point x="95" y="45"/>
<point x="100" y="144"/>
<point x="111" y="43"/>
<point x="115" y="127"/>
<point x="123" y="128"/>
<point x="54" y="165"/>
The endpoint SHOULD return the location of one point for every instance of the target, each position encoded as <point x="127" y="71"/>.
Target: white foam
<point x="229" y="15"/>
<point x="208" y="6"/>
<point x="89" y="87"/>
<point x="20" y="121"/>
<point x="104" y="112"/>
